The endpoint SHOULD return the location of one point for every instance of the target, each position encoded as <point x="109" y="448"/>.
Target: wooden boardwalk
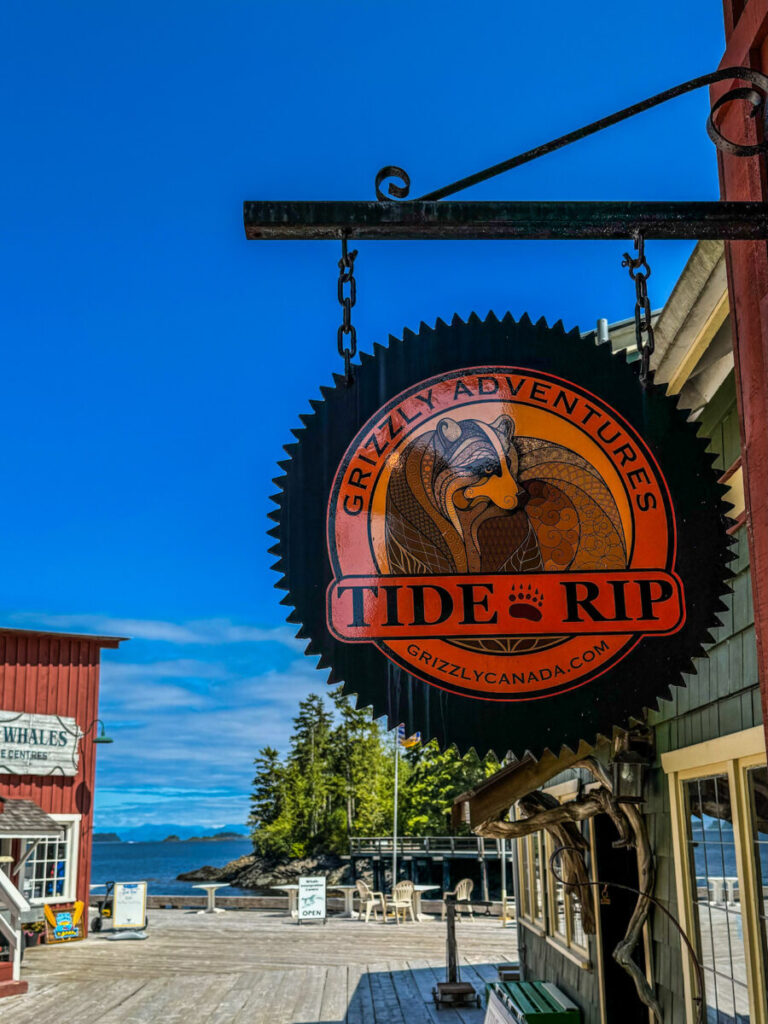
<point x="257" y="967"/>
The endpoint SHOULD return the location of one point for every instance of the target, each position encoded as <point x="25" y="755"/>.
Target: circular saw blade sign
<point x="508" y="556"/>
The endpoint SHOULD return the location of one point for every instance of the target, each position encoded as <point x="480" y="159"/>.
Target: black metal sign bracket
<point x="430" y="218"/>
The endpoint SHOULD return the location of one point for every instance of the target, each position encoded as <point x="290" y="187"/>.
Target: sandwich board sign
<point x="312" y="898"/>
<point x="130" y="907"/>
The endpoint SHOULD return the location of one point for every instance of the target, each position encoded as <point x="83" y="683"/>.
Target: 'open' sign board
<point x="311" y="899"/>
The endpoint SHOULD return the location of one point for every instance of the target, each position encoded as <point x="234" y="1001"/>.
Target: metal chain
<point x="639" y="271"/>
<point x="347" y="277"/>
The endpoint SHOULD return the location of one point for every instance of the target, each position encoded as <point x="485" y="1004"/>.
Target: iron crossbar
<point x="454" y="219"/>
<point x="427" y="218"/>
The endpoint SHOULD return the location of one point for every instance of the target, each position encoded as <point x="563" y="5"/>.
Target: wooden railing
<point x="13" y="904"/>
<point x="425" y="846"/>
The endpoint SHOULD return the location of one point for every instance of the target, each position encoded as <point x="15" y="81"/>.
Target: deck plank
<point x="360" y="1007"/>
<point x="333" y="1008"/>
<point x="385" y="1005"/>
<point x="413" y="1007"/>
<point x="248" y="967"/>
<point x="307" y="1007"/>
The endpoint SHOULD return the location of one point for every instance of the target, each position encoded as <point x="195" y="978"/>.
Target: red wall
<point x="744" y="178"/>
<point x="55" y="674"/>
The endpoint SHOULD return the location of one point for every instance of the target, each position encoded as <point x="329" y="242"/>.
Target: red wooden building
<point x="49" y="696"/>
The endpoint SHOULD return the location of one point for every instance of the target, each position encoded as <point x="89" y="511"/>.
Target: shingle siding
<point x="722" y="697"/>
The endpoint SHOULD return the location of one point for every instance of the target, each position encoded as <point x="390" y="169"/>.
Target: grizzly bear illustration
<point x="471" y="497"/>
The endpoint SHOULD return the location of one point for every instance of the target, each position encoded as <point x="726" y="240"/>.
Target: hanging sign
<point x="514" y="544"/>
<point x="38" y="744"/>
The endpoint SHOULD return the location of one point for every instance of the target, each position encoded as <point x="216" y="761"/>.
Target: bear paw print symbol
<point x="525" y="602"/>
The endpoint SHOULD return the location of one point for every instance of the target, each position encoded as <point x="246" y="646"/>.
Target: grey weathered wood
<point x="412" y="1006"/>
<point x="253" y="966"/>
<point x="360" y="1007"/>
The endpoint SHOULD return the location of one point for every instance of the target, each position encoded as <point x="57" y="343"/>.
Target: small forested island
<point x="216" y="837"/>
<point x="106" y="837"/>
<point x="334" y="782"/>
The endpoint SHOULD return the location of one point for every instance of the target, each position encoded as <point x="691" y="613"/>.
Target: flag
<point x="410" y="741"/>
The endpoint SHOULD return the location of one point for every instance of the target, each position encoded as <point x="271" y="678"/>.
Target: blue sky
<point x="154" y="362"/>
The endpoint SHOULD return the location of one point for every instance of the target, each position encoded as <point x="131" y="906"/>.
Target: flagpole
<point x="394" y="821"/>
<point x="503" y="858"/>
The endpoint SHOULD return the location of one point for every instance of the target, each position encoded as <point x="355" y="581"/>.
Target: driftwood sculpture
<point x="543" y="812"/>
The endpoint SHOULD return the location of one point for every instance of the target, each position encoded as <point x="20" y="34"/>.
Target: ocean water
<point x="160" y="863"/>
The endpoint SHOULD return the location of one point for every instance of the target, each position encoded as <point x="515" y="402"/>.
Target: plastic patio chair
<point x="401" y="900"/>
<point x="370" y="901"/>
<point x="462" y="894"/>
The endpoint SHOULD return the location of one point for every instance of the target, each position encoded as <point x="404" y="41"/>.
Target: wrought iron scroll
<point x="756" y="95"/>
<point x="645" y="896"/>
<point x="633" y="835"/>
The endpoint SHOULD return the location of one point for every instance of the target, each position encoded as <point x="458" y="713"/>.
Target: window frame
<point x="72" y="840"/>
<point x="731" y="756"/>
<point x="544" y="926"/>
<point x="526" y="861"/>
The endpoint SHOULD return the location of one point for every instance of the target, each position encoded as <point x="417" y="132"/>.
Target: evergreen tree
<point x="337" y="781"/>
<point x="361" y="774"/>
<point x="267" y="804"/>
<point x="308" y="766"/>
<point x="435" y="778"/>
<point x="266" y="797"/>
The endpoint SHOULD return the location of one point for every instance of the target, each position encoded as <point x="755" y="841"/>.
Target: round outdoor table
<point x="349" y="895"/>
<point x="417" y="891"/>
<point x="293" y="897"/>
<point x="210" y="889"/>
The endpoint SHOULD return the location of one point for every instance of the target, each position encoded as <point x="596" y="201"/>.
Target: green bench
<point x="528" y="1002"/>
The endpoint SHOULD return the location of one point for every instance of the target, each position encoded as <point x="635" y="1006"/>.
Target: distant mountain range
<point x="156" y="833"/>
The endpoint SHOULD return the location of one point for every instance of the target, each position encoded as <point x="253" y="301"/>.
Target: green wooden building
<point x="705" y="795"/>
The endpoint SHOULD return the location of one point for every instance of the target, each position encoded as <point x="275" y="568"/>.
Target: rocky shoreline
<point x="252" y="872"/>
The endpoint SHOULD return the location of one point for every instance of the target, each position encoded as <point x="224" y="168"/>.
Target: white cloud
<point x="193" y="722"/>
<point x="172" y="668"/>
<point x="201" y="631"/>
<point x="195" y="740"/>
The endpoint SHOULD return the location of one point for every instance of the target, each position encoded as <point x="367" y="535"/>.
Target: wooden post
<point x="450" y="941"/>
<point x="483" y="869"/>
<point x="446" y="874"/>
<point x="503" y="863"/>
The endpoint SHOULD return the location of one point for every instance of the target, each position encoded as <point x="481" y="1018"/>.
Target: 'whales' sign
<point x="495" y="536"/>
<point x="38" y="744"/>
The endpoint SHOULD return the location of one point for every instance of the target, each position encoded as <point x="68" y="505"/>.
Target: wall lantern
<point x="102" y="737"/>
<point x="629" y="771"/>
<point x="632" y="755"/>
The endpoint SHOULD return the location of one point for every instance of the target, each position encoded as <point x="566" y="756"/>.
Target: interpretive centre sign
<point x="514" y="540"/>
<point x="130" y="905"/>
<point x="311" y="898"/>
<point x="38" y="744"/>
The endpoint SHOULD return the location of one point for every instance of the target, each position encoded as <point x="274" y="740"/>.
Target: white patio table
<point x="349" y="896"/>
<point x="210" y="890"/>
<point x="417" y="893"/>
<point x="292" y="890"/>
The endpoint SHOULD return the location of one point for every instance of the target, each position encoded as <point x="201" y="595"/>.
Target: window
<point x="719" y="804"/>
<point x="717" y="910"/>
<point x="565" y="923"/>
<point x="544" y="904"/>
<point x="757" y="779"/>
<point x="531" y="868"/>
<point x="50" y="872"/>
